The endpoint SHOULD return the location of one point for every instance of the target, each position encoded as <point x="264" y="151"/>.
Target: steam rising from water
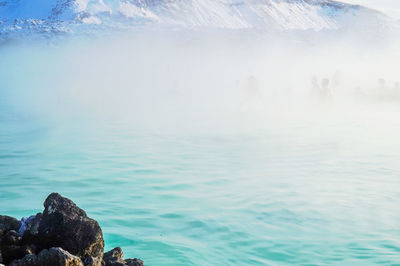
<point x="296" y="162"/>
<point x="186" y="82"/>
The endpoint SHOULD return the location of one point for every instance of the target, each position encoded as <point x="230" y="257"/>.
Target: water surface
<point x="312" y="191"/>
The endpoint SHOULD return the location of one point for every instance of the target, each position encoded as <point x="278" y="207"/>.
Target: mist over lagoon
<point x="211" y="147"/>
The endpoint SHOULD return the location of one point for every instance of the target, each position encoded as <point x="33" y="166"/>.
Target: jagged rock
<point x="8" y="223"/>
<point x="78" y="238"/>
<point x="11" y="247"/>
<point x="11" y="238"/>
<point x="134" y="262"/>
<point x="114" y="257"/>
<point x="58" y="256"/>
<point x="28" y="260"/>
<point x="9" y="253"/>
<point x="30" y="226"/>
<point x="30" y="229"/>
<point x="49" y="257"/>
<point x="10" y="241"/>
<point x="65" y="225"/>
<point x="92" y="261"/>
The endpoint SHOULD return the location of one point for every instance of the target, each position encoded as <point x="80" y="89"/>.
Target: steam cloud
<point x="198" y="82"/>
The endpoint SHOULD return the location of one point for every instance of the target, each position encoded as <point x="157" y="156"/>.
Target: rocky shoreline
<point x="62" y="235"/>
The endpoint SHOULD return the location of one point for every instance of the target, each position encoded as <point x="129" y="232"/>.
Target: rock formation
<point x="63" y="235"/>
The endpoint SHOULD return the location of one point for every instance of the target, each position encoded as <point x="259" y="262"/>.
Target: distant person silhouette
<point x="326" y="92"/>
<point x="315" y="88"/>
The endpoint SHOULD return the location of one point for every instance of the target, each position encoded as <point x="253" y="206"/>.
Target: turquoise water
<point x="287" y="198"/>
<point x="301" y="189"/>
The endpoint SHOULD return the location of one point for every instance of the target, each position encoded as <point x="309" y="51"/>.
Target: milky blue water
<point x="323" y="190"/>
<point x="287" y="198"/>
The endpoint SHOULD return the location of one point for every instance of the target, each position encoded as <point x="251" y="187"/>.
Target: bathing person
<point x="326" y="92"/>
<point x="315" y="88"/>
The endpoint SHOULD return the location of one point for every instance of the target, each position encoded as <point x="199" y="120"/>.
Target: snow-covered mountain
<point x="57" y="16"/>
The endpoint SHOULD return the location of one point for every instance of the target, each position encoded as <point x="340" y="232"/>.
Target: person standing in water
<point x="315" y="88"/>
<point x="326" y="92"/>
<point x="321" y="92"/>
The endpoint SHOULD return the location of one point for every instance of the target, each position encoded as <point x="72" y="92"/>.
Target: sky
<point x="390" y="7"/>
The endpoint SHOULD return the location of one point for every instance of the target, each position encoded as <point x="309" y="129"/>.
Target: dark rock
<point x="49" y="257"/>
<point x="8" y="223"/>
<point x="30" y="229"/>
<point x="114" y="257"/>
<point x="28" y="260"/>
<point x="116" y="263"/>
<point x="78" y="238"/>
<point x="134" y="262"/>
<point x="58" y="256"/>
<point x="65" y="225"/>
<point x="11" y="238"/>
<point x="92" y="261"/>
<point x="30" y="249"/>
<point x="30" y="225"/>
<point x="11" y="247"/>
<point x="11" y="252"/>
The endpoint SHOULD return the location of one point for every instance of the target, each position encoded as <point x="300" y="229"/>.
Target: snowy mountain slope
<point x="245" y="14"/>
<point x="67" y="15"/>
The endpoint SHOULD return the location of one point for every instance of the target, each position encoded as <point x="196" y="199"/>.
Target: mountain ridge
<point x="67" y="16"/>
